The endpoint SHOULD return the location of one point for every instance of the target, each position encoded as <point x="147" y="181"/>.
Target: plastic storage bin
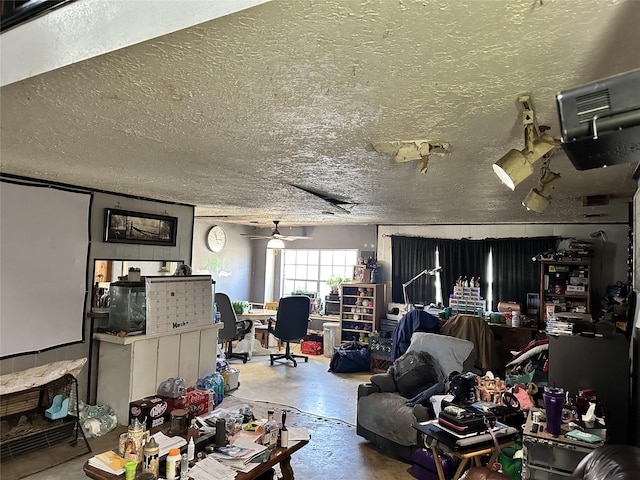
<point x="330" y="338"/>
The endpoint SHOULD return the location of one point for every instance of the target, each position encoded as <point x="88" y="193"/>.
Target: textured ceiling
<point x="230" y="114"/>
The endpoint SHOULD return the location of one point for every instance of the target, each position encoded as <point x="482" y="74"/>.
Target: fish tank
<point x="127" y="307"/>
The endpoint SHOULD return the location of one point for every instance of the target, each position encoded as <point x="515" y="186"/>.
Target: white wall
<point x="99" y="250"/>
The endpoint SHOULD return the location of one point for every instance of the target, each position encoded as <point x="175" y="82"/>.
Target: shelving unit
<point x="567" y="284"/>
<point x="361" y="307"/>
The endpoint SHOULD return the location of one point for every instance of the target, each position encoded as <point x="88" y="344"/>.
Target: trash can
<point x="330" y="338"/>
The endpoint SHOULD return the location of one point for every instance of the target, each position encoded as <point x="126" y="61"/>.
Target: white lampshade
<point x="275" y="244"/>
<point x="517" y="165"/>
<point x="513" y="168"/>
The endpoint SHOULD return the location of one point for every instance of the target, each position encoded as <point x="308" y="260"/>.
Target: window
<point x="308" y="270"/>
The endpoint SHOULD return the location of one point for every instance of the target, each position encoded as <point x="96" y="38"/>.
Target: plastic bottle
<point x="173" y="461"/>
<point x="191" y="449"/>
<point x="184" y="467"/>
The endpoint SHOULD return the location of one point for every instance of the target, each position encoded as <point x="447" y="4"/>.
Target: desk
<point x="249" y="344"/>
<point x="279" y="455"/>
<point x="551" y="457"/>
<point x="439" y="440"/>
<point x="510" y="339"/>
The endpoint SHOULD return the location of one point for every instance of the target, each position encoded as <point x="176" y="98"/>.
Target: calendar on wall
<point x="175" y="303"/>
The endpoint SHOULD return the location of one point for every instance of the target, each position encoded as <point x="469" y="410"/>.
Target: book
<point x="241" y="452"/>
<point x="108" y="461"/>
<point x="235" y="451"/>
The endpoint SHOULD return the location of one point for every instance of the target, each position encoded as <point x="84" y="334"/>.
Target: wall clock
<point x="216" y="238"/>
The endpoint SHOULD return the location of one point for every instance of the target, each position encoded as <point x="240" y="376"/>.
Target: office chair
<point x="292" y="320"/>
<point x="233" y="328"/>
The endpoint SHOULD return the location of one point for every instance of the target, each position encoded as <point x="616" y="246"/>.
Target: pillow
<point x="415" y="371"/>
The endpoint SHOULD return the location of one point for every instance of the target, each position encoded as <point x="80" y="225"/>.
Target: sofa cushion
<point x="384" y="382"/>
<point x="386" y="414"/>
<point x="414" y="372"/>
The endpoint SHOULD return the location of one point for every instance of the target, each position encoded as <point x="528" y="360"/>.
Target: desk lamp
<point x="427" y="271"/>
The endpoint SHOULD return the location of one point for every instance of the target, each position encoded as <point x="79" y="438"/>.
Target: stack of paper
<point x="109" y="462"/>
<point x="166" y="443"/>
<point x="298" y="433"/>
<point x="241" y="452"/>
<point x="210" y="469"/>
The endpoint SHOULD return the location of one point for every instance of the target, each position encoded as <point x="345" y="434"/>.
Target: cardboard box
<point x="575" y="289"/>
<point x="150" y="411"/>
<point x="197" y="401"/>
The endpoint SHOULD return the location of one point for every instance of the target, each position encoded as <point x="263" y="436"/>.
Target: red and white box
<point x="197" y="401"/>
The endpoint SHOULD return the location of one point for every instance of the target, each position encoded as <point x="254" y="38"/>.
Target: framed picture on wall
<point x="123" y="226"/>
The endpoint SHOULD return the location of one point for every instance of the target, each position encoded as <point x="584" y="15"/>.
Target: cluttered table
<point x="244" y="452"/>
<point x="279" y="455"/>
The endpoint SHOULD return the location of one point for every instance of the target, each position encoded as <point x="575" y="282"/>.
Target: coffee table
<point x="438" y="440"/>
<point x="279" y="455"/>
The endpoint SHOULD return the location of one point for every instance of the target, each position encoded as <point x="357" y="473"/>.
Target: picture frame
<point x="124" y="226"/>
<point x="361" y="274"/>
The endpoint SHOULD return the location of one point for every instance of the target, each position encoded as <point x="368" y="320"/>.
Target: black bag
<point x="462" y="419"/>
<point x="350" y="357"/>
<point x="461" y="386"/>
<point x="424" y="465"/>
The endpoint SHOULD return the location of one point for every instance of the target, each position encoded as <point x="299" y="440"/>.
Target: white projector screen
<point x="44" y="242"/>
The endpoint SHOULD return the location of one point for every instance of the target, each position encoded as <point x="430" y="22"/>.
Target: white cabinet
<point x="131" y="368"/>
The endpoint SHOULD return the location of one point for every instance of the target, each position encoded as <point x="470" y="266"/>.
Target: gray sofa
<point x="383" y="416"/>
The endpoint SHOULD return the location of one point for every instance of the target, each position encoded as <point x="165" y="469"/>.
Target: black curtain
<point x="409" y="257"/>
<point x="514" y="271"/>
<point x="461" y="258"/>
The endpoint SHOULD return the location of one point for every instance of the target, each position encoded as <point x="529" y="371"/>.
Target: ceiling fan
<point x="275" y="234"/>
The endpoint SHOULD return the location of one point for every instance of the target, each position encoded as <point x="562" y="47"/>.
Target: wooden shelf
<point x="564" y="273"/>
<point x="362" y="306"/>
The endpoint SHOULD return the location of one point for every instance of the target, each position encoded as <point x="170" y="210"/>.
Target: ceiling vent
<point x="595" y="200"/>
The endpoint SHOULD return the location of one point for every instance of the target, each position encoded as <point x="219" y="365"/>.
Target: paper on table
<point x="166" y="443"/>
<point x="298" y="433"/>
<point x="210" y="469"/>
<point x="108" y="461"/>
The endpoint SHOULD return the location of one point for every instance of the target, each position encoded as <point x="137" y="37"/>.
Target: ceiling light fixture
<point x="411" y="150"/>
<point x="539" y="198"/>
<point x="517" y="165"/>
<point x="275" y="244"/>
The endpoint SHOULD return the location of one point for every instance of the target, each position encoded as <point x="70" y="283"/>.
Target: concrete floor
<point x="310" y="388"/>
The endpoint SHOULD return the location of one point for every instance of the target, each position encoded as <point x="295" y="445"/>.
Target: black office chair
<point x="292" y="321"/>
<point x="233" y="329"/>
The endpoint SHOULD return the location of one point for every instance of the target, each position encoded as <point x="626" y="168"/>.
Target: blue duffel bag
<point x="350" y="357"/>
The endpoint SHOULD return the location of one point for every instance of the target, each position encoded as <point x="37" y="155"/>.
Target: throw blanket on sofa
<point x="449" y="352"/>
<point x="414" y="321"/>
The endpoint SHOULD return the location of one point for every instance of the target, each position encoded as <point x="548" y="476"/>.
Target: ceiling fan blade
<point x="294" y="237"/>
<point x="255" y="237"/>
<point x="275" y="234"/>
